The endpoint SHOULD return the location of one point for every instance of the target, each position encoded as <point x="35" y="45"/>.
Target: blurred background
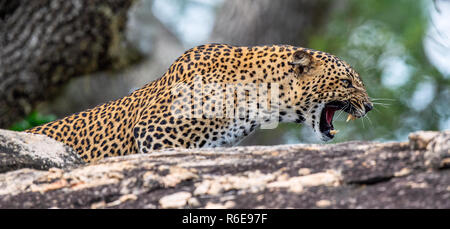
<point x="400" y="48"/>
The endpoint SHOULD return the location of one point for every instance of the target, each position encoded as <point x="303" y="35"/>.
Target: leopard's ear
<point x="302" y="61"/>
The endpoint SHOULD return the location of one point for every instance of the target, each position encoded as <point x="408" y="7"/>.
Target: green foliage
<point x="32" y="120"/>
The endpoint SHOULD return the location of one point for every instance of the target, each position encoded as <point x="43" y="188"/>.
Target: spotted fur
<point x="147" y="120"/>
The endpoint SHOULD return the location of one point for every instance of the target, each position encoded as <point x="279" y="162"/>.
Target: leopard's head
<point x="323" y="84"/>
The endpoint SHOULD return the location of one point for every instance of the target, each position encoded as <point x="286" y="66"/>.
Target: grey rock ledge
<point x="413" y="174"/>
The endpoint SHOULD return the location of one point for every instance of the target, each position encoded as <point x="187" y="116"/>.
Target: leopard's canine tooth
<point x="350" y="117"/>
<point x="334" y="132"/>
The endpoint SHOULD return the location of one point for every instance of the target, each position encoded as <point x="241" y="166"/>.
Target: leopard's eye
<point x="347" y="83"/>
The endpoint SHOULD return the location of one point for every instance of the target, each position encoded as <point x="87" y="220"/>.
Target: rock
<point x="437" y="147"/>
<point x="438" y="151"/>
<point x="419" y="140"/>
<point x="23" y="150"/>
<point x="346" y="175"/>
<point x="176" y="200"/>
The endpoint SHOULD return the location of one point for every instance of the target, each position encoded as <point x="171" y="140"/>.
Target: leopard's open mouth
<point x="326" y="118"/>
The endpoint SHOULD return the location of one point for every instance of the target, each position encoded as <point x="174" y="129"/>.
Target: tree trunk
<point x="150" y="37"/>
<point x="260" y="22"/>
<point x="44" y="43"/>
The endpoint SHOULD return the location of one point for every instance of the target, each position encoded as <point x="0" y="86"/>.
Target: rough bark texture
<point x="260" y="22"/>
<point x="21" y="150"/>
<point x="412" y="174"/>
<point x="44" y="43"/>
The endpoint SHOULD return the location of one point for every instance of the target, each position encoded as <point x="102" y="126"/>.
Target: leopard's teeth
<point x="334" y="132"/>
<point x="350" y="117"/>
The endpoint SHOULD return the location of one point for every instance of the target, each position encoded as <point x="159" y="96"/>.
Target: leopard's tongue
<point x="329" y="115"/>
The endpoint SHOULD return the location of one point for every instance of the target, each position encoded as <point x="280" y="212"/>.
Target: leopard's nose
<point x="368" y="107"/>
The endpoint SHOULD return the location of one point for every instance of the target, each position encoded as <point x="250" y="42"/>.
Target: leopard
<point x="191" y="105"/>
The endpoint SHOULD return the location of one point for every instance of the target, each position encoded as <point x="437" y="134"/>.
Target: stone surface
<point x="411" y="174"/>
<point x="22" y="150"/>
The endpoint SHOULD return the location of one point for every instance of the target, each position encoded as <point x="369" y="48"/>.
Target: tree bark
<point x="44" y="43"/>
